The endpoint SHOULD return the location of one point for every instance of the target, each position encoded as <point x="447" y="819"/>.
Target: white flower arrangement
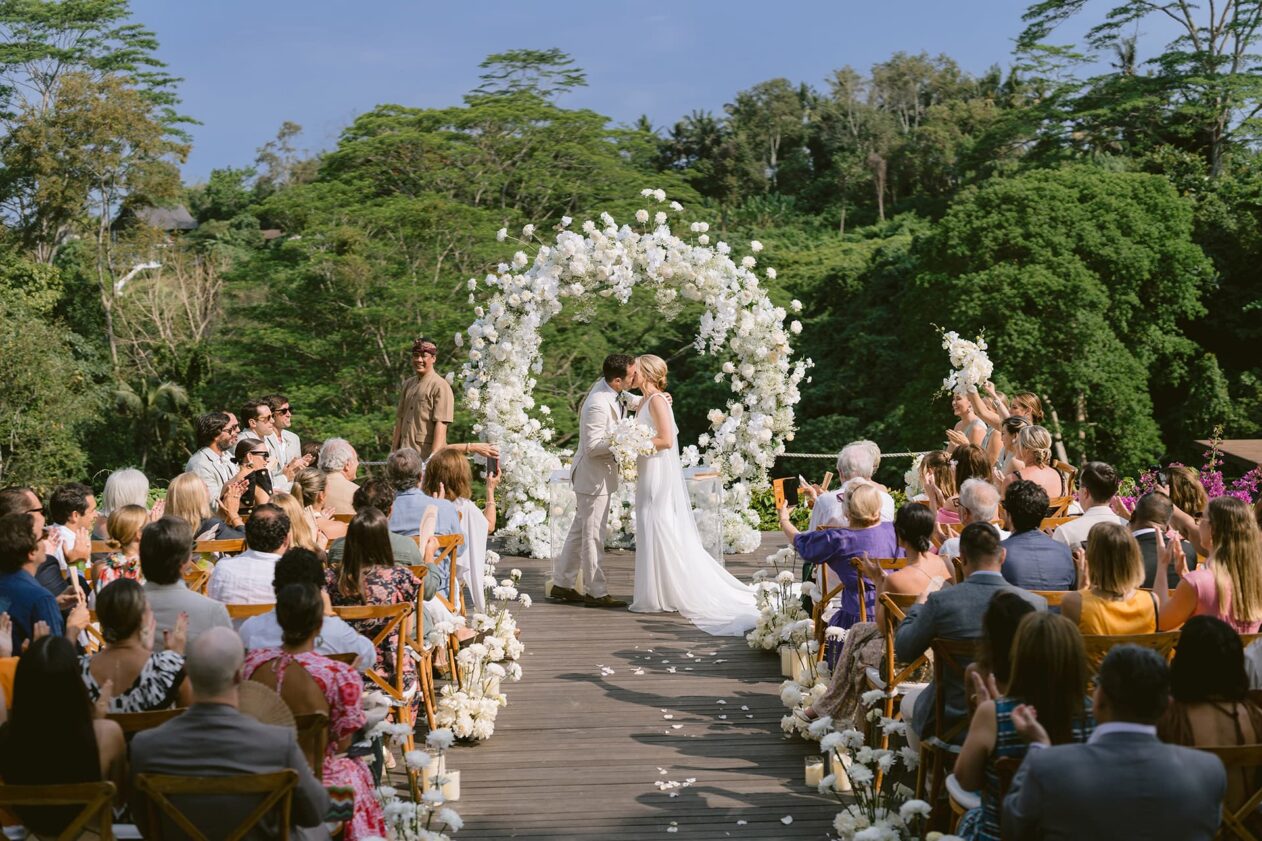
<point x="429" y="819"/>
<point x="740" y="325"/>
<point x="628" y="441"/>
<point x="915" y="486"/>
<point x="778" y="600"/>
<point x="970" y="366"/>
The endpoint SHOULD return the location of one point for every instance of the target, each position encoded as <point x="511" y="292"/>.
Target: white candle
<point x="786" y="661"/>
<point x="801" y="671"/>
<point x="451" y="788"/>
<point x="837" y="765"/>
<point x="436" y="768"/>
<point x="814" y="771"/>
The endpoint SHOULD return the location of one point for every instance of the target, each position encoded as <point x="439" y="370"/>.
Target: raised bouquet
<point x="628" y="441"/>
<point x="970" y="366"/>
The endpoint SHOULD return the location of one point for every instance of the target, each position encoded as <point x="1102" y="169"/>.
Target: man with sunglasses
<point x="286" y="443"/>
<point x="216" y="439"/>
<point x="258" y="423"/>
<point x="427" y="408"/>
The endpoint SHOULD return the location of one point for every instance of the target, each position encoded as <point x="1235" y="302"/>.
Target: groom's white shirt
<point x="595" y="471"/>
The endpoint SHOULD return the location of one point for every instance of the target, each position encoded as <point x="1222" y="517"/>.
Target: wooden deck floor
<point x="578" y="754"/>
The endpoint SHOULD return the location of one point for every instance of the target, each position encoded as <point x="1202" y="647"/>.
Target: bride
<point x="673" y="570"/>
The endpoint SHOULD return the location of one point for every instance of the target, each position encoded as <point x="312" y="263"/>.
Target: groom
<point x="595" y="477"/>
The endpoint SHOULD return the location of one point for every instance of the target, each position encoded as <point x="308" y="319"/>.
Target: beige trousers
<point x="583" y="546"/>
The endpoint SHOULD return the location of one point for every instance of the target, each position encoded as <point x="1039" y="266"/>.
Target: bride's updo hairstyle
<point x="652" y="369"/>
<point x="1036" y="441"/>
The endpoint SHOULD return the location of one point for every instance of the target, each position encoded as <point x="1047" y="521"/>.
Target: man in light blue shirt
<point x="403" y="470"/>
<point x="302" y="566"/>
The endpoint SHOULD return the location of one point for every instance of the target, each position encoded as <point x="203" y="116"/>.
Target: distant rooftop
<point x="175" y="218"/>
<point x="1245" y="449"/>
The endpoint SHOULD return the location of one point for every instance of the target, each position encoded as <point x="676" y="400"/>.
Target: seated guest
<point x="970" y="463"/>
<point x="1097" y="485"/>
<point x="1229" y="584"/>
<point x="936" y="469"/>
<point x="1049" y="673"/>
<point x="300" y="614"/>
<point x="978" y="503"/>
<point x="127" y="486"/>
<point x="865" y="534"/>
<point x="247" y="578"/>
<point x="994" y="647"/>
<point x="123" y="528"/>
<point x="1008" y="432"/>
<point x="17" y="499"/>
<point x="1033" y="561"/>
<point x="283" y="442"/>
<point x="954" y="613"/>
<point x="187" y="499"/>
<point x="1189" y="498"/>
<point x="302" y="530"/>
<point x="258" y="424"/>
<point x="251" y="461"/>
<point x="447" y="476"/>
<point x="302" y="566"/>
<point x="216" y="434"/>
<point x="165" y="547"/>
<point x="1210" y="706"/>
<point x="72" y="511"/>
<point x="1153" y="513"/>
<point x="969" y="429"/>
<point x="404" y="471"/>
<point x="21" y="596"/>
<point x="1033" y="462"/>
<point x="54" y="736"/>
<point x="1123" y="783"/>
<point x="377" y="493"/>
<point x="340" y="464"/>
<point x="1111" y="602"/>
<point x="214" y="739"/>
<point x="310" y="487"/>
<point x="856" y="464"/>
<point x="140" y="679"/>
<point x="368" y="575"/>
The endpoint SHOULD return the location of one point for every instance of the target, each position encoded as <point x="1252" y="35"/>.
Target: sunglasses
<point x="262" y="453"/>
<point x="264" y="418"/>
<point x="234" y="428"/>
<point x="288" y="410"/>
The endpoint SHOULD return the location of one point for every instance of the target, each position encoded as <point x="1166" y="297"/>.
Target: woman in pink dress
<point x="1228" y="585"/>
<point x="300" y="612"/>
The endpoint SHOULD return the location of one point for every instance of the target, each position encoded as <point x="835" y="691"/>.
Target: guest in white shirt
<point x="1097" y="485"/>
<point x="216" y="438"/>
<point x="302" y="566"/>
<point x="856" y="463"/>
<point x="979" y="503"/>
<point x="247" y="578"/>
<point x="286" y="444"/>
<point x="258" y="423"/>
<point x="72" y="511"/>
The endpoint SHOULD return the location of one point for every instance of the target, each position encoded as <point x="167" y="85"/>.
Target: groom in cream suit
<point x="595" y="477"/>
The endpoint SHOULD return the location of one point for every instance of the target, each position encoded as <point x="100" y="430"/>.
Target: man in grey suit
<point x="1123" y="783"/>
<point x="1154" y="511"/>
<point x="595" y="477"/>
<point x="165" y="547"/>
<point x="955" y="613"/>
<point x="214" y="739"/>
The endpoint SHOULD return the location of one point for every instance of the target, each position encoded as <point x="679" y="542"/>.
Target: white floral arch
<point x="740" y="326"/>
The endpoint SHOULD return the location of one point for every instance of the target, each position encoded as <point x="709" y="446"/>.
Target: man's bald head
<point x="214" y="663"/>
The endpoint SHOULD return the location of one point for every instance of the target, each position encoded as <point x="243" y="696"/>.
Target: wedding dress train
<point x="673" y="570"/>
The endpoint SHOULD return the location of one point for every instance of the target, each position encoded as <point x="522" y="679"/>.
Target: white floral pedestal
<point x="705" y="490"/>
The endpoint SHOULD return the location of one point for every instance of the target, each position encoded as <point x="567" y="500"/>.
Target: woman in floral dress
<point x="368" y="576"/>
<point x="123" y="529"/>
<point x="300" y="613"/>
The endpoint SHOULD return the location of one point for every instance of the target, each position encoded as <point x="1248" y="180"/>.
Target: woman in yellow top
<point x="1110" y="601"/>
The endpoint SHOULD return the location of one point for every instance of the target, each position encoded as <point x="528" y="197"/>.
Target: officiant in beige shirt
<point x="426" y="406"/>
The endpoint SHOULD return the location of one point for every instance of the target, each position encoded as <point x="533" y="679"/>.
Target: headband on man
<point x="424" y="345"/>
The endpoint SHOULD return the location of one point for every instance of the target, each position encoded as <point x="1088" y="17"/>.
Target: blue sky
<point x="248" y="66"/>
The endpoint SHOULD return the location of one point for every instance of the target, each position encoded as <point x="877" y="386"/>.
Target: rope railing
<point x="829" y="456"/>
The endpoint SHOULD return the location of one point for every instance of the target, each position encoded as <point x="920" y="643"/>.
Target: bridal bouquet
<point x="628" y="441"/>
<point x="970" y="365"/>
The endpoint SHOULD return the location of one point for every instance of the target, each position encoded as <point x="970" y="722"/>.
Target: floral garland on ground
<point x="430" y="819"/>
<point x="469" y="707"/>
<point x="740" y="326"/>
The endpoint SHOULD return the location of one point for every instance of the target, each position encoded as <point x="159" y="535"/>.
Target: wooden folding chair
<point x="313" y="739"/>
<point x="133" y="723"/>
<point x="890" y="679"/>
<point x="96" y="640"/>
<point x="423" y="652"/>
<point x="887" y="564"/>
<point x="938" y="752"/>
<point x="347" y="657"/>
<point x="395" y="616"/>
<point x="1053" y="597"/>
<point x="95" y="798"/>
<point x="245" y="611"/>
<point x="448" y="545"/>
<point x="1098" y="645"/>
<point x="219" y="547"/>
<point x="1058" y="506"/>
<point x="343" y="518"/>
<point x="1050" y="524"/>
<point x="958" y="566"/>
<point x="276" y="789"/>
<point x="196" y="579"/>
<point x="817" y="609"/>
<point x="1242" y="759"/>
<point x="1070" y="473"/>
<point x="101" y="547"/>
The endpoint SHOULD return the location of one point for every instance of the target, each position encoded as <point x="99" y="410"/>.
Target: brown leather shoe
<point x="564" y="594"/>
<point x="603" y="601"/>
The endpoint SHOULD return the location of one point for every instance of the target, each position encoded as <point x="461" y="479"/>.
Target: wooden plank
<point x="577" y="754"/>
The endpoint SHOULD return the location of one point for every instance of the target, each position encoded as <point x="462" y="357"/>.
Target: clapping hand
<point x="1080" y="564"/>
<point x="78" y="618"/>
<point x="985" y="689"/>
<point x="1170" y="554"/>
<point x="176" y="640"/>
<point x="159" y="508"/>
<point x="871" y="569"/>
<point x="1025" y="721"/>
<point x="956" y="439"/>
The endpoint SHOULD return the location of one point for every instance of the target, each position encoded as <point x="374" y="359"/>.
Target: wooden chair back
<point x="343" y="518"/>
<point x="101" y="547"/>
<point x="347" y="657"/>
<point x="448" y="546"/>
<point x="133" y="723"/>
<point x="394" y="616"/>
<point x="276" y="791"/>
<point x="1054" y="597"/>
<point x="96" y="799"/>
<point x="305" y="699"/>
<point x="1050" y="524"/>
<point x="1058" y="506"/>
<point x="887" y="564"/>
<point x="313" y="739"/>
<point x="1069" y="472"/>
<point x="219" y="547"/>
<point x="950" y="657"/>
<point x="96" y="640"/>
<point x="245" y="611"/>
<point x="895" y="611"/>
<point x="1098" y="645"/>
<point x="829" y="592"/>
<point x="957" y="564"/>
<point x="196" y="579"/>
<point x="1237" y="817"/>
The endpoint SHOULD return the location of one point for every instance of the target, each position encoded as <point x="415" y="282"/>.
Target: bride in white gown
<point x="673" y="570"/>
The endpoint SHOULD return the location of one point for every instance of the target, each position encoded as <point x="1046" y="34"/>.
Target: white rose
<point x="528" y="231"/>
<point x="501" y="234"/>
<point x="641" y="216"/>
<point x="755" y="246"/>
